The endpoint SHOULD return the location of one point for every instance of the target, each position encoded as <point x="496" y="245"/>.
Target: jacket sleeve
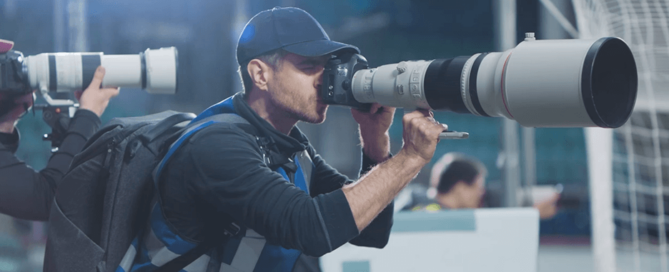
<point x="327" y="179"/>
<point x="26" y="193"/>
<point x="230" y="176"/>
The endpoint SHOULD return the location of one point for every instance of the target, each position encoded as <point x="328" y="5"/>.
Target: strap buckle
<point x="231" y="229"/>
<point x="263" y="144"/>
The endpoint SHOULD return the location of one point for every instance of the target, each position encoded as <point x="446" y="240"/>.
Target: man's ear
<point x="260" y="73"/>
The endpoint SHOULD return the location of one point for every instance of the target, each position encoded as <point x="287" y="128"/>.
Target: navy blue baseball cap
<point x="290" y="29"/>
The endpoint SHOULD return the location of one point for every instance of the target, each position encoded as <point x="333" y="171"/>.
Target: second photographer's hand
<point x="95" y="98"/>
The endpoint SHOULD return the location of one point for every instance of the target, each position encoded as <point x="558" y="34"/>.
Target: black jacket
<point x="220" y="171"/>
<point x="28" y="194"/>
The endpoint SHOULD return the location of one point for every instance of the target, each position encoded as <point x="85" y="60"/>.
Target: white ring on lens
<point x="464" y="84"/>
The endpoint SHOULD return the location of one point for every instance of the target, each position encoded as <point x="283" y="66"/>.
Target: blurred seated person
<point x="458" y="182"/>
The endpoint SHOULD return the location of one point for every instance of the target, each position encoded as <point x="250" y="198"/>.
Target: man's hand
<point x="421" y="134"/>
<point x="372" y="193"/>
<point x="20" y="105"/>
<point x="374" y="127"/>
<point x="94" y="98"/>
<point x="548" y="208"/>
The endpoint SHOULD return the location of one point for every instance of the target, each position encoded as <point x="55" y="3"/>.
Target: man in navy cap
<point x="260" y="172"/>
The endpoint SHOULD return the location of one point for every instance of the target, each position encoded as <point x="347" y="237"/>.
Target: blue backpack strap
<point x="230" y="229"/>
<point x="307" y="166"/>
<point x="190" y="130"/>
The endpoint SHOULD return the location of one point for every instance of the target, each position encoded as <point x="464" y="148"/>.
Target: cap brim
<point x="5" y="46"/>
<point x="319" y="48"/>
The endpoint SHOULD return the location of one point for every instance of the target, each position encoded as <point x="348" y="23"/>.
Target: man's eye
<point x="309" y="67"/>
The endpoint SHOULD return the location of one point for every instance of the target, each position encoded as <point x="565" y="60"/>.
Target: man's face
<point x="472" y="194"/>
<point x="21" y="104"/>
<point x="295" y="85"/>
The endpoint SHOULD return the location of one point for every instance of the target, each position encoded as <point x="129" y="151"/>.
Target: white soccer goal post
<point x="629" y="167"/>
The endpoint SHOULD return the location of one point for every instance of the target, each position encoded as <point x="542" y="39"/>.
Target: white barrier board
<point x="498" y="239"/>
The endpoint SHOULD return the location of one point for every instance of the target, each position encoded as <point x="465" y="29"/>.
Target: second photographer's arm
<point x="26" y="193"/>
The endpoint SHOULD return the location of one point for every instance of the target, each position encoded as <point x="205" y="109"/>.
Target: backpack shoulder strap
<point x="231" y="229"/>
<point x="191" y="129"/>
<point x="178" y="263"/>
<point x="164" y="125"/>
<point x="307" y="166"/>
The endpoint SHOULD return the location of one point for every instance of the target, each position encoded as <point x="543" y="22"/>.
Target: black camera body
<point x="13" y="78"/>
<point x="337" y="78"/>
<point x="14" y="82"/>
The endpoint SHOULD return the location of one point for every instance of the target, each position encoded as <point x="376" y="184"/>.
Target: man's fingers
<point x="430" y="126"/>
<point x="425" y="112"/>
<point x="555" y="198"/>
<point x="375" y="108"/>
<point x="77" y="95"/>
<point x="387" y="109"/>
<point x="97" y="77"/>
<point x="417" y="113"/>
<point x="423" y="120"/>
<point x="113" y="91"/>
<point x="436" y="129"/>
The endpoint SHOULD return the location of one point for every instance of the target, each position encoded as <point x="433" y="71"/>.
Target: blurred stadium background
<point x="631" y="206"/>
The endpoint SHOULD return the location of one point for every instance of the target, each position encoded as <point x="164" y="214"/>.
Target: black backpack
<point x="103" y="201"/>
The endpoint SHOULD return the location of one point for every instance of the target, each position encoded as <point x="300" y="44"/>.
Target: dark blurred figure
<point x="458" y="182"/>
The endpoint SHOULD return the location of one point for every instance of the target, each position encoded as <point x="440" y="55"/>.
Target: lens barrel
<point x="152" y="70"/>
<point x="540" y="83"/>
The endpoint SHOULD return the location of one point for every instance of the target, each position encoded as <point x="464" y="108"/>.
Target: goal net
<point x="629" y="167"/>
